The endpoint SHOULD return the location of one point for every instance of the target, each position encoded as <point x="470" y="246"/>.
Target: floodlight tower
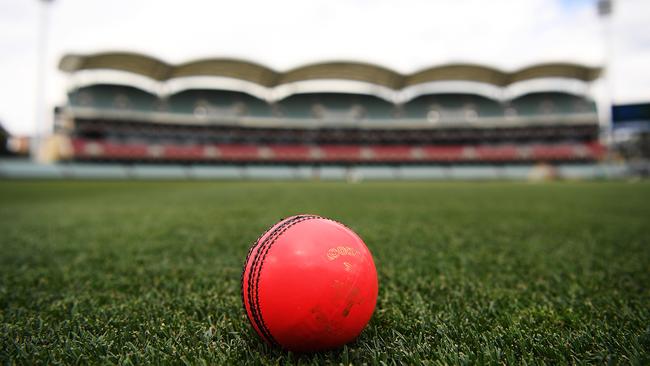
<point x="40" y="127"/>
<point x="605" y="12"/>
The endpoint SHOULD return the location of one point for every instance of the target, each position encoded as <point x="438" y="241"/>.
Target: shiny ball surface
<point x="309" y="284"/>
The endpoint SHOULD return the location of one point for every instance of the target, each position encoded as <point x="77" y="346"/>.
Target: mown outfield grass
<point x="148" y="272"/>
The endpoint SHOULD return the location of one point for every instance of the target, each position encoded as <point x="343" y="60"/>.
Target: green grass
<point x="148" y="272"/>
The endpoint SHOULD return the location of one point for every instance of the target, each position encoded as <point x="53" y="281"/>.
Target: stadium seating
<point x="451" y="107"/>
<point x="389" y="153"/>
<point x="85" y="149"/>
<point x="330" y="106"/>
<point x="497" y="153"/>
<point x="215" y="133"/>
<point x="290" y="153"/>
<point x="201" y="125"/>
<point x="183" y="152"/>
<point x="218" y="103"/>
<point x="443" y="153"/>
<point x="113" y="97"/>
<point x="535" y="104"/>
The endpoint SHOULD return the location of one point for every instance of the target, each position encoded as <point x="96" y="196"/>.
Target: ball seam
<point x="251" y="304"/>
<point x="254" y="272"/>
<point x="265" y="250"/>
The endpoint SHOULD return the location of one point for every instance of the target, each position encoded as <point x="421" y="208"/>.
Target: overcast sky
<point x="404" y="35"/>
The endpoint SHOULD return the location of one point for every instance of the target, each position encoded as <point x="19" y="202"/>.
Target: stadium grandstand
<point x="443" y="115"/>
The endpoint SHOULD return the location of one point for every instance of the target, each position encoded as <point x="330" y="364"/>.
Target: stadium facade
<point x="330" y="113"/>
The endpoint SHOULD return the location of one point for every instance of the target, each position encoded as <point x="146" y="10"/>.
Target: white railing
<point x="458" y="121"/>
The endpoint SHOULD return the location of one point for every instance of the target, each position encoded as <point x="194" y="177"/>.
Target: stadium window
<point x="433" y="116"/>
<point x="471" y="115"/>
<point x="200" y="112"/>
<point x="580" y="106"/>
<point x="510" y="112"/>
<point x="85" y="98"/>
<point x="358" y="112"/>
<point x="240" y="109"/>
<point x="318" y="110"/>
<point x="162" y="105"/>
<point x="547" y="106"/>
<point x="121" y="101"/>
<point x="397" y="111"/>
<point x="276" y="110"/>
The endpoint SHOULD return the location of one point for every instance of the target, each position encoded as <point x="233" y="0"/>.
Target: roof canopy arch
<point x="161" y="71"/>
<point x="227" y="67"/>
<point x="122" y="61"/>
<point x="458" y="72"/>
<point x="555" y="70"/>
<point x="344" y="70"/>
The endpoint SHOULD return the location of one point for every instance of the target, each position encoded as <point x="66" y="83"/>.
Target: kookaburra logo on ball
<point x="336" y="252"/>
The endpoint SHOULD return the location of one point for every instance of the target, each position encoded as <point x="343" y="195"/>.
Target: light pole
<point x="40" y="127"/>
<point x="605" y="11"/>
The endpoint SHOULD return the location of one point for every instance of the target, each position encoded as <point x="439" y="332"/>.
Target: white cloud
<point x="404" y="35"/>
<point x="630" y="73"/>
